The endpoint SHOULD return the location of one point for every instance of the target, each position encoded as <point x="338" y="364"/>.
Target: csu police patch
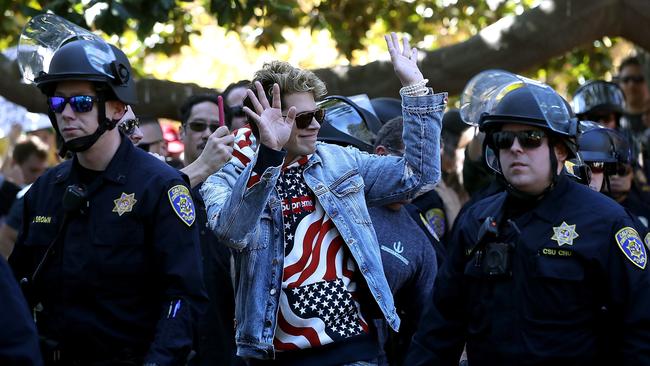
<point x="630" y="243"/>
<point x="182" y="203"/>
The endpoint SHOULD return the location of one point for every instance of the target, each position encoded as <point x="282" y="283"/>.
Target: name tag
<point x="42" y="219"/>
<point x="555" y="252"/>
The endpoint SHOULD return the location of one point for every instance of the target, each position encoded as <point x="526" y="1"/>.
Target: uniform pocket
<point x="561" y="269"/>
<point x="120" y="249"/>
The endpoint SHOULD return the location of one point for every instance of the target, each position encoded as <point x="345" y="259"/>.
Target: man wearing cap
<point x="108" y="253"/>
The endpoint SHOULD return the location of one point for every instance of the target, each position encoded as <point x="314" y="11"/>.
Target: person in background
<point x="234" y="96"/>
<point x="409" y="256"/>
<point x="205" y="140"/>
<point x="152" y="137"/>
<point x="632" y="82"/>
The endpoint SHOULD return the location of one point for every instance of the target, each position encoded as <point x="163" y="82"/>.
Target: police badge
<point x="182" y="203"/>
<point x="630" y="243"/>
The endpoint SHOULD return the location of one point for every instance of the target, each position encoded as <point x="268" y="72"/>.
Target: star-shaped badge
<point x="125" y="203"/>
<point x="564" y="234"/>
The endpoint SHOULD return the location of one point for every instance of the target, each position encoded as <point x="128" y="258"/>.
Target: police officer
<point x="18" y="339"/>
<point x="548" y="272"/>
<point x="108" y="252"/>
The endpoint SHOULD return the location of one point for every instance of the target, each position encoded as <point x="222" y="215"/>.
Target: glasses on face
<point x="527" y="139"/>
<point x="637" y="79"/>
<point x="623" y="170"/>
<point x="200" y="126"/>
<point x="78" y="103"/>
<point x="128" y="126"/>
<point x="303" y="119"/>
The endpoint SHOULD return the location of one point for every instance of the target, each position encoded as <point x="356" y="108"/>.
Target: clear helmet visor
<point x="598" y="94"/>
<point x="484" y="91"/>
<point x="44" y="34"/>
<point x="347" y="119"/>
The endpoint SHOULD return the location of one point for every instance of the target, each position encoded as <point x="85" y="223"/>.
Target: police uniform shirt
<point x="578" y="293"/>
<point x="124" y="279"/>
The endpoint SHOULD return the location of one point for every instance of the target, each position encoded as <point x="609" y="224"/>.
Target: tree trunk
<point x="515" y="43"/>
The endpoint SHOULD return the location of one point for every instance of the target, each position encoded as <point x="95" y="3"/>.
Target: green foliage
<point x="164" y="26"/>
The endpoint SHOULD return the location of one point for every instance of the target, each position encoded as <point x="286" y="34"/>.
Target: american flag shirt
<point x="318" y="301"/>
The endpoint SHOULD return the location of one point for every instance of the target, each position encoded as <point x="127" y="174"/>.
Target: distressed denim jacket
<point x="345" y="181"/>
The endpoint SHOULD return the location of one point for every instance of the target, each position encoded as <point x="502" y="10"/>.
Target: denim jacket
<point x="345" y="181"/>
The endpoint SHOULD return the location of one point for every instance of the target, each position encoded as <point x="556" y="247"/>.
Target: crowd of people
<point x="282" y="226"/>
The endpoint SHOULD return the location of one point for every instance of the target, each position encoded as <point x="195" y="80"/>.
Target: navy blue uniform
<point x="124" y="280"/>
<point x="578" y="292"/>
<point x="216" y="330"/>
<point x="18" y="338"/>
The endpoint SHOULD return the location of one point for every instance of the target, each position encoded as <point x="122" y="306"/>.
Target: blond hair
<point x="290" y="80"/>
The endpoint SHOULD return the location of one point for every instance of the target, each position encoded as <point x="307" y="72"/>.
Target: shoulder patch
<point x="181" y="200"/>
<point x="435" y="218"/>
<point x="646" y="240"/>
<point x="630" y="243"/>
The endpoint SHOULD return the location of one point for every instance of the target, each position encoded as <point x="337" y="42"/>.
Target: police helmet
<point x="346" y="123"/>
<point x="51" y="50"/>
<point x="596" y="145"/>
<point x="496" y="97"/>
<point x="598" y="96"/>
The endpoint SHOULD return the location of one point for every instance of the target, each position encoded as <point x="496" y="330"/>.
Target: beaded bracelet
<point x="415" y="90"/>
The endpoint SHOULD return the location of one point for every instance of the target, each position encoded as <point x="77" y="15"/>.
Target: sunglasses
<point x="200" y="126"/>
<point x="527" y="139"/>
<point x="78" y="103"/>
<point x="303" y="119"/>
<point x="128" y="126"/>
<point x="637" y="79"/>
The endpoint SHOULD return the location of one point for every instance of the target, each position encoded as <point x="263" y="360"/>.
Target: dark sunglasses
<point x="527" y="139"/>
<point x="200" y="126"/>
<point x="303" y="119"/>
<point x="623" y="170"/>
<point x="637" y="79"/>
<point x="79" y="103"/>
<point x="128" y="126"/>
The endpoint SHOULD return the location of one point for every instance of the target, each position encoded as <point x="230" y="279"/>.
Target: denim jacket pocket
<point x="349" y="193"/>
<point x="263" y="233"/>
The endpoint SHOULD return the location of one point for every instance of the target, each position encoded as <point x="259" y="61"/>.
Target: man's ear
<point x="181" y="131"/>
<point x="115" y="110"/>
<point x="561" y="152"/>
<point x="381" y="150"/>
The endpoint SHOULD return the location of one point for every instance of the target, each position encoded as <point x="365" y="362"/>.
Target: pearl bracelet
<point x="415" y="90"/>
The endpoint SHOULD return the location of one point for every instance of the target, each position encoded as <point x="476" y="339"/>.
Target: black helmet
<point x="598" y="96"/>
<point x="346" y="123"/>
<point x="52" y="50"/>
<point x="597" y="145"/>
<point x="386" y="108"/>
<point x="496" y="97"/>
<point x="72" y="62"/>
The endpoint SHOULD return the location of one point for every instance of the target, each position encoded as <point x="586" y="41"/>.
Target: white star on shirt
<point x="290" y="237"/>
